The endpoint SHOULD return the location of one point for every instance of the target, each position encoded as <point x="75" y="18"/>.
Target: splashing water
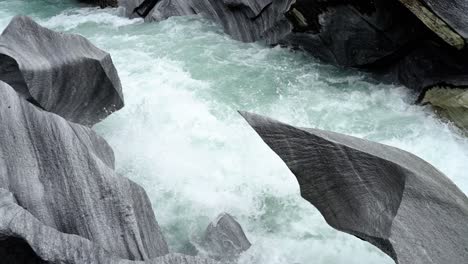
<point x="181" y="138"/>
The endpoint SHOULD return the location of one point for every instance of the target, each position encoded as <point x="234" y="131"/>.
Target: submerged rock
<point x="63" y="174"/>
<point x="62" y="73"/>
<point x="384" y="195"/>
<point x="224" y="238"/>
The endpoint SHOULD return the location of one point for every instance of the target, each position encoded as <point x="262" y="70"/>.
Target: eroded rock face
<point x="384" y="195"/>
<point x="25" y="239"/>
<point x="224" y="238"/>
<point x="62" y="173"/>
<point x="62" y="73"/>
<point x="39" y="243"/>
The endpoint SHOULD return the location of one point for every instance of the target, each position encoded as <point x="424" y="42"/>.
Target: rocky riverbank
<point x="420" y="44"/>
<point x="61" y="200"/>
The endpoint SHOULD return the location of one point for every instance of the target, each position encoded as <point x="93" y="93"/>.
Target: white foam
<point x="73" y="18"/>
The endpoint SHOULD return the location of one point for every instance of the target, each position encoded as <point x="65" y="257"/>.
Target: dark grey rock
<point x="224" y="238"/>
<point x="348" y="33"/>
<point x="62" y="73"/>
<point x="430" y="65"/>
<point x="352" y="33"/>
<point x="384" y="195"/>
<point x="63" y="174"/>
<point x="101" y="3"/>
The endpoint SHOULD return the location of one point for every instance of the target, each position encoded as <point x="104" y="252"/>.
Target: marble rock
<point x="62" y="173"/>
<point x="26" y="240"/>
<point x="62" y="73"/>
<point x="383" y="195"/>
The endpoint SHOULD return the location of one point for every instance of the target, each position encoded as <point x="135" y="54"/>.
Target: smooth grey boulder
<point x="381" y="194"/>
<point x="224" y="238"/>
<point x="62" y="73"/>
<point x="63" y="174"/>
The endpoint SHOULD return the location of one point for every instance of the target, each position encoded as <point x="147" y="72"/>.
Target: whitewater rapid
<point x="181" y="138"/>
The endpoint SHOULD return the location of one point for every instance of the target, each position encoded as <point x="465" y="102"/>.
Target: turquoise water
<point x="181" y="138"/>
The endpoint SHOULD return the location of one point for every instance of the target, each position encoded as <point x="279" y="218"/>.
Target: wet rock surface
<point x="62" y="73"/>
<point x="386" y="196"/>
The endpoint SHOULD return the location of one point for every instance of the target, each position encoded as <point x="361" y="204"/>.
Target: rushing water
<point x="180" y="136"/>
